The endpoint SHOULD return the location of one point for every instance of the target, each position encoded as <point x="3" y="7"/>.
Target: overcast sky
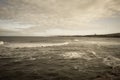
<point x="59" y="17"/>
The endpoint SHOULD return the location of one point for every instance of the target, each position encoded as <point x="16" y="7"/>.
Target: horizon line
<point x="57" y="35"/>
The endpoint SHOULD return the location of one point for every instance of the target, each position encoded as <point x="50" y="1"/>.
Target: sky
<point x="59" y="17"/>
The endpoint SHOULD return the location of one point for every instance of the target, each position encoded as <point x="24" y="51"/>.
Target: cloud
<point x="7" y="32"/>
<point x="59" y="8"/>
<point x="45" y="15"/>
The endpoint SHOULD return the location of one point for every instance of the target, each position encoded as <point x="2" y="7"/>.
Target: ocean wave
<point x="21" y="45"/>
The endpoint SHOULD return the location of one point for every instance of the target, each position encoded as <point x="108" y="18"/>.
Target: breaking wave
<point x="21" y="45"/>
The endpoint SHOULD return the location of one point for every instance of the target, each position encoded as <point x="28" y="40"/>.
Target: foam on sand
<point x="21" y="45"/>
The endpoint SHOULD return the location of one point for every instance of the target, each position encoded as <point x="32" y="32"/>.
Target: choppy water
<point x="66" y="58"/>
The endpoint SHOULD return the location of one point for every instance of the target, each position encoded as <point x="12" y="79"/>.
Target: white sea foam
<point x="1" y="42"/>
<point x="21" y="45"/>
<point x="99" y="43"/>
<point x="72" y="55"/>
<point x="83" y="55"/>
<point x="76" y="40"/>
<point x="111" y="61"/>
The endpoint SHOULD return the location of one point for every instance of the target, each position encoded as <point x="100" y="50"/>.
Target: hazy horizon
<point x="59" y="17"/>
